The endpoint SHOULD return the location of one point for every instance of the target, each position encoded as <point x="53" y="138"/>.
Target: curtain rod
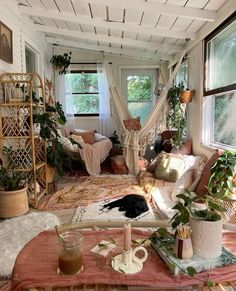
<point x="87" y="63"/>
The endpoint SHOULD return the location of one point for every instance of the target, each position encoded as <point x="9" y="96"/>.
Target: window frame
<point x="216" y="31"/>
<point x="207" y="132"/>
<point x="84" y="93"/>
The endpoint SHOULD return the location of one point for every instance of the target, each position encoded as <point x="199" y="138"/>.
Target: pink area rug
<point x="85" y="190"/>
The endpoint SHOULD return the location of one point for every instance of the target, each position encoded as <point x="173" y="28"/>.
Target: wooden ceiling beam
<point x="106" y="49"/>
<point x="128" y="27"/>
<point x="151" y="46"/>
<point x="157" y="8"/>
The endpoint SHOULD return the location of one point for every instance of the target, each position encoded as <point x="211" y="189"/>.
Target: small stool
<point x="118" y="165"/>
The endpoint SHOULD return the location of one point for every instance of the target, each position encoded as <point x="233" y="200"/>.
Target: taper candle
<point x="127" y="236"/>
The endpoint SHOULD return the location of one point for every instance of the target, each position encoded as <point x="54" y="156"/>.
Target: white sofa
<point x="92" y="154"/>
<point x="163" y="193"/>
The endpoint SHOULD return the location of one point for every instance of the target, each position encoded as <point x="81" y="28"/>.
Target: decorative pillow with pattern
<point x="132" y="123"/>
<point x="87" y="136"/>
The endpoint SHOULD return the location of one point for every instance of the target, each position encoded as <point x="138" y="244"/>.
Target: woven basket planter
<point x="13" y="203"/>
<point x="186" y="96"/>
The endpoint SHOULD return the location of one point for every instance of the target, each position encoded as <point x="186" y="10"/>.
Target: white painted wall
<point x="118" y="62"/>
<point x="22" y="30"/>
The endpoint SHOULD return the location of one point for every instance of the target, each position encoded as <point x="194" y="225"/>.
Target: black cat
<point x="132" y="204"/>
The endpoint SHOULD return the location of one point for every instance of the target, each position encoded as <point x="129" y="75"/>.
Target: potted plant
<point x="206" y="223"/>
<point x="48" y="122"/>
<point x="185" y="94"/>
<point x="223" y="176"/>
<point x="13" y="193"/>
<point x="176" y="118"/>
<point x="61" y="62"/>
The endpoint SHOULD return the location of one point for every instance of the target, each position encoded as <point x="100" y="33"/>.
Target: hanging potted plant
<point x="176" y="118"/>
<point x="185" y="94"/>
<point x="61" y="62"/>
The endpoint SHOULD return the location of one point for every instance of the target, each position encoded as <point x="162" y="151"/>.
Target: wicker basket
<point x="13" y="203"/>
<point x="186" y="96"/>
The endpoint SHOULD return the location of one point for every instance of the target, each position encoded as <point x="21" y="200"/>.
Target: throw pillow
<point x="132" y="123"/>
<point x="77" y="138"/>
<point x="67" y="144"/>
<point x="184" y="182"/>
<point x="169" y="169"/>
<point x="88" y="136"/>
<point x="206" y="173"/>
<point x="185" y="149"/>
<point x="152" y="167"/>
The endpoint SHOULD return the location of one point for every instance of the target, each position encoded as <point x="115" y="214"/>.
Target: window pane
<point x="81" y="82"/>
<point x="139" y="88"/>
<point x="221" y="56"/>
<point x="224" y="119"/>
<point x="182" y="75"/>
<point x="141" y="109"/>
<point x="83" y="103"/>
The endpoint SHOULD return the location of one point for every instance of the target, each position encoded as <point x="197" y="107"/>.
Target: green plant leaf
<point x="210" y="283"/>
<point x="191" y="271"/>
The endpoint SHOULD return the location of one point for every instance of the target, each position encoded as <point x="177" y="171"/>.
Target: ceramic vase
<point x="206" y="238"/>
<point x="183" y="248"/>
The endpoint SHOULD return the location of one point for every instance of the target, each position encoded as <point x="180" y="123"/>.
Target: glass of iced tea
<point x="70" y="256"/>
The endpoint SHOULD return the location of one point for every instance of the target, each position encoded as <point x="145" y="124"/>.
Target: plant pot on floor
<point x="13" y="203"/>
<point x="206" y="238"/>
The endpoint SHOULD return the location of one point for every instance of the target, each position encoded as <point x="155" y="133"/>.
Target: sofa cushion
<point x="185" y="149"/>
<point x="170" y="168"/>
<point x="88" y="136"/>
<point x="132" y="123"/>
<point x="206" y="173"/>
<point x="77" y="138"/>
<point x="184" y="182"/>
<point x="152" y="167"/>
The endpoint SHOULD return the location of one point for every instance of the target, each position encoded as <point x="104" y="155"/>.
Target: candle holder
<point x="127" y="262"/>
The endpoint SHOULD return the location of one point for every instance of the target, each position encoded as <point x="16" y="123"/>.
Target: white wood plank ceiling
<point x="148" y="29"/>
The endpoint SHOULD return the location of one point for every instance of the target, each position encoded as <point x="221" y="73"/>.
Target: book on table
<point x="177" y="266"/>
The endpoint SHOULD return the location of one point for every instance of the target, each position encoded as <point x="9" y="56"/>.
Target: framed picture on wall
<point x="6" y="50"/>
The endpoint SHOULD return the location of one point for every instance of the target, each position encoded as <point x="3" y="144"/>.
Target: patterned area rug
<point x="87" y="190"/>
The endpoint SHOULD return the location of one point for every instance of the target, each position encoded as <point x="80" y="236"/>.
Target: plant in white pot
<point x="206" y="223"/>
<point x="206" y="220"/>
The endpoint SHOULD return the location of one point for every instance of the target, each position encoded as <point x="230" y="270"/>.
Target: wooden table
<point x="36" y="265"/>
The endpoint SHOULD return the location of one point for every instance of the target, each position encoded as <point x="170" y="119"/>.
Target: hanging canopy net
<point x="135" y="142"/>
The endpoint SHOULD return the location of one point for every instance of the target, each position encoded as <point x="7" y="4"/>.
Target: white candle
<point x="127" y="236"/>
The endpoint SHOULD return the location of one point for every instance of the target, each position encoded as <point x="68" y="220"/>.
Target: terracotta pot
<point x="13" y="203"/>
<point x="206" y="238"/>
<point x="186" y="96"/>
<point x="50" y="173"/>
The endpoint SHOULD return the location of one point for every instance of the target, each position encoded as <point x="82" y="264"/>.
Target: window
<point x="220" y="86"/>
<point x="182" y="75"/>
<point x="139" y="87"/>
<point x="30" y="60"/>
<point x="82" y="93"/>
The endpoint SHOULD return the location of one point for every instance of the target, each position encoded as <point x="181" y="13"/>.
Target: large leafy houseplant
<point x="49" y="121"/>
<point x="176" y="119"/>
<point x="61" y="62"/>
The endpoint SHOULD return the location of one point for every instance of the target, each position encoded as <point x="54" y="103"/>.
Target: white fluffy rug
<point x="96" y="211"/>
<point x="16" y="232"/>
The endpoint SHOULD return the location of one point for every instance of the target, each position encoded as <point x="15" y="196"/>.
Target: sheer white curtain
<point x="63" y="92"/>
<point x="106" y="126"/>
